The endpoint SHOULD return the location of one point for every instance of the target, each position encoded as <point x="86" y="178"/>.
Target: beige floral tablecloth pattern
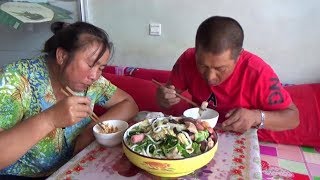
<point x="237" y="157"/>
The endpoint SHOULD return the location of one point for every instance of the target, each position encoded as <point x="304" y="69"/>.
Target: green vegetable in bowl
<point x="166" y="138"/>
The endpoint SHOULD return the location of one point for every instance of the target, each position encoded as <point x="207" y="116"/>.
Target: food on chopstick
<point x="171" y="138"/>
<point x="108" y="129"/>
<point x="203" y="107"/>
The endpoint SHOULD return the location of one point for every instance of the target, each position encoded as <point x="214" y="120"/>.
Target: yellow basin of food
<point x="169" y="167"/>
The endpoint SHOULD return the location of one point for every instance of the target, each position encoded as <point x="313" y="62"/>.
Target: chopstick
<point x="93" y="116"/>
<point x="177" y="94"/>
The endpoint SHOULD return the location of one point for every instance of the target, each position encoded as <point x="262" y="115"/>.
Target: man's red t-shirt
<point x="252" y="85"/>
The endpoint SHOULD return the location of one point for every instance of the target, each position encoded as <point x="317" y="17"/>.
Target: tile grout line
<point x="305" y="162"/>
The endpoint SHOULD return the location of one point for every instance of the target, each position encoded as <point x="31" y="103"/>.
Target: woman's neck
<point x="55" y="76"/>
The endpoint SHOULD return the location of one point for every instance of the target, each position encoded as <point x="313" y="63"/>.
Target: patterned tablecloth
<point x="281" y="161"/>
<point x="237" y="157"/>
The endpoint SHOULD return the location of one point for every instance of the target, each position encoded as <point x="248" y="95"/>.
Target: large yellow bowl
<point x="168" y="167"/>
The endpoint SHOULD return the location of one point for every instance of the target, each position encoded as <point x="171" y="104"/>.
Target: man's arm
<point x="281" y="119"/>
<point x="241" y="119"/>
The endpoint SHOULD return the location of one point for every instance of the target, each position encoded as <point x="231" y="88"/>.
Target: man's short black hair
<point x="218" y="34"/>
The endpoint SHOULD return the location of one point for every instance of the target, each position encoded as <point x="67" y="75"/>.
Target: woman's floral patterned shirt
<point x="25" y="90"/>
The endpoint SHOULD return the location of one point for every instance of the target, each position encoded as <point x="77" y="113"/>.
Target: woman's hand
<point x="69" y="111"/>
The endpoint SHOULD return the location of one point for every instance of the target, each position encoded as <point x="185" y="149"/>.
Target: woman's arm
<point x="15" y="142"/>
<point x="120" y="106"/>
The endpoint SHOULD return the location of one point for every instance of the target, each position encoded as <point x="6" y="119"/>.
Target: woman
<point x="40" y="127"/>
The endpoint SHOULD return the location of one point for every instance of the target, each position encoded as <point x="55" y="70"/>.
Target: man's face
<point x="215" y="68"/>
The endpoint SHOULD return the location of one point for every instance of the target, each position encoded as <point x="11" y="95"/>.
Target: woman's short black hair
<point x="67" y="36"/>
<point x="218" y="34"/>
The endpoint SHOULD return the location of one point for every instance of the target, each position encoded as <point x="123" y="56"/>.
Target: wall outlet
<point x="154" y="29"/>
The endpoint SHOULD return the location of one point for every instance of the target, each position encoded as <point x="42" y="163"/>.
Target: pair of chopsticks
<point x="177" y="94"/>
<point x="93" y="116"/>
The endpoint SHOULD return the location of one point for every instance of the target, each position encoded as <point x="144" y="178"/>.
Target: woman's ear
<point x="61" y="56"/>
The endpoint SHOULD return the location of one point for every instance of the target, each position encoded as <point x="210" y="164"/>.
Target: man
<point x="239" y="85"/>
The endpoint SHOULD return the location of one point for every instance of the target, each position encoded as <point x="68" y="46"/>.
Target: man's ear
<point x="61" y="56"/>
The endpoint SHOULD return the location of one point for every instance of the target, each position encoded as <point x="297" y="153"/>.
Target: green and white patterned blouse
<point x="25" y="90"/>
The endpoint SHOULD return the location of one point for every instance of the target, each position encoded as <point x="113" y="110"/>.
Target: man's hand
<point x="241" y="119"/>
<point x="166" y="96"/>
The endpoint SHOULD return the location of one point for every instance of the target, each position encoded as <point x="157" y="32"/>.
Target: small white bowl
<point x="110" y="139"/>
<point x="209" y="115"/>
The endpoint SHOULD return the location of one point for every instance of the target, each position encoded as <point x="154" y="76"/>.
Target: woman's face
<point x="83" y="68"/>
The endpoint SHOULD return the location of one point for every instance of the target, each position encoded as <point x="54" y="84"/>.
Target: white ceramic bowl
<point x="110" y="139"/>
<point x="209" y="115"/>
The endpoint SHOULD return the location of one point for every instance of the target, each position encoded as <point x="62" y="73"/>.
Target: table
<point x="237" y="157"/>
<point x="280" y="161"/>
